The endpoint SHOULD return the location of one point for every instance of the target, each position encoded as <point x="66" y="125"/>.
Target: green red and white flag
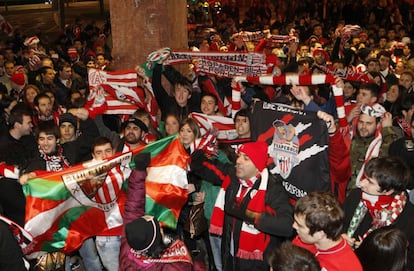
<point x="65" y="208"/>
<point x="166" y="184"/>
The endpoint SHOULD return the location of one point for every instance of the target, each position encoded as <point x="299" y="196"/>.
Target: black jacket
<point x="15" y="152"/>
<point x="166" y="102"/>
<point x="279" y="227"/>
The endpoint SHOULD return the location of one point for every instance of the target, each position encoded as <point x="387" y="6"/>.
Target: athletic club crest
<point x="99" y="184"/>
<point x="284" y="148"/>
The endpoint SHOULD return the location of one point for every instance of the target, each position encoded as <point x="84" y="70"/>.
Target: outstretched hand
<point x="299" y="93"/>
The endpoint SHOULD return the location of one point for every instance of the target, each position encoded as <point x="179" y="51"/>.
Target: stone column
<point x="140" y="27"/>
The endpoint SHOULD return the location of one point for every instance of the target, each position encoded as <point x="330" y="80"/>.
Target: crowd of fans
<point x="362" y="222"/>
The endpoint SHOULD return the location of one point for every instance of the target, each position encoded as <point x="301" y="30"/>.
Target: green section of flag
<point x="50" y="190"/>
<point x="158" y="146"/>
<point x="64" y="226"/>
<point x="155" y="148"/>
<point x="162" y="213"/>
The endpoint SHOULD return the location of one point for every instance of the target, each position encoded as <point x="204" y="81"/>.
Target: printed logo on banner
<point x="284" y="148"/>
<point x="99" y="183"/>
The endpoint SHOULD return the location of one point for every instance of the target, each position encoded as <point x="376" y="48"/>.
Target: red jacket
<point x="340" y="165"/>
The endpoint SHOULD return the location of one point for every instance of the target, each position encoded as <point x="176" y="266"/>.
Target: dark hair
<point x="43" y="70"/>
<point x="384" y="249"/>
<point x="384" y="53"/>
<point x="63" y="64"/>
<point x="99" y="141"/>
<point x="47" y="127"/>
<point x="210" y="95"/>
<point x="5" y="102"/>
<point x="371" y="59"/>
<point x="55" y="104"/>
<point x="40" y="96"/>
<point x="77" y="103"/>
<point x="289" y="257"/>
<point x="390" y="172"/>
<point x="243" y="113"/>
<point x="322" y="212"/>
<point x="371" y="87"/>
<point x="17" y="113"/>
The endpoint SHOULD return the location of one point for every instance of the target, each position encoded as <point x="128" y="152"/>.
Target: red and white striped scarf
<point x="381" y="216"/>
<point x="252" y="242"/>
<point x="277" y="80"/>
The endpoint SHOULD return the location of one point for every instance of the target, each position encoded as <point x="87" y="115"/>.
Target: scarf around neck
<point x="55" y="161"/>
<point x="384" y="211"/>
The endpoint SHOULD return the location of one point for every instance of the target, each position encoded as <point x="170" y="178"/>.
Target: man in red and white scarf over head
<point x="252" y="213"/>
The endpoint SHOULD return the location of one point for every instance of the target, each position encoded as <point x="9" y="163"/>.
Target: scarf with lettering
<point x="176" y="252"/>
<point x="383" y="209"/>
<point x="56" y="161"/>
<point x="252" y="241"/>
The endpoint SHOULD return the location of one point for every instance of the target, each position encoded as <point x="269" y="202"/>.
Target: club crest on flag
<point x="284" y="147"/>
<point x="96" y="77"/>
<point x="91" y="185"/>
<point x="98" y="184"/>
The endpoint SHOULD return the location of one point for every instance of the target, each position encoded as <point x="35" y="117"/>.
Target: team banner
<point x="348" y="73"/>
<point x="113" y="91"/>
<point x="222" y="126"/>
<point x="229" y="70"/>
<point x="249" y="59"/>
<point x="265" y="34"/>
<point x="66" y="207"/>
<point x="298" y="144"/>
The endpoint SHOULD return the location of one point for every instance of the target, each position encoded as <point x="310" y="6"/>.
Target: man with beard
<point x="244" y="215"/>
<point x="133" y="133"/>
<point x="372" y="136"/>
<point x="44" y="110"/>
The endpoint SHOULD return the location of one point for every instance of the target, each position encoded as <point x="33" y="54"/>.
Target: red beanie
<point x="324" y="52"/>
<point x="72" y="52"/>
<point x="257" y="152"/>
<point x="18" y="79"/>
